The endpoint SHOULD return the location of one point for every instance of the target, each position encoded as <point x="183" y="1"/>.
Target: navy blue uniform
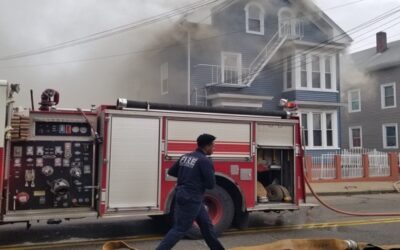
<point x="195" y="174"/>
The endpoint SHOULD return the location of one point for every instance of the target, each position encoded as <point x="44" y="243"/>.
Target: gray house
<point x="251" y="54"/>
<point x="371" y="118"/>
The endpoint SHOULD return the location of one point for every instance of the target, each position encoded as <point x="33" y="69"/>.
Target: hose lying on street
<point x="342" y="211"/>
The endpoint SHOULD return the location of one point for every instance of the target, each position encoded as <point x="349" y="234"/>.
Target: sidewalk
<point x="348" y="188"/>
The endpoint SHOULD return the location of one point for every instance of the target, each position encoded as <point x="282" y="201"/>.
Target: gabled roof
<point x="340" y="35"/>
<point x="204" y="16"/>
<point x="370" y="60"/>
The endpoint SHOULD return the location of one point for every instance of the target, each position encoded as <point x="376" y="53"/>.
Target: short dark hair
<point x="205" y="140"/>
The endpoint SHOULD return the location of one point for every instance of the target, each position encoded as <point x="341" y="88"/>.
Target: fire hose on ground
<point x="342" y="211"/>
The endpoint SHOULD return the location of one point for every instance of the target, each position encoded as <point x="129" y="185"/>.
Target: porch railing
<point x="227" y="75"/>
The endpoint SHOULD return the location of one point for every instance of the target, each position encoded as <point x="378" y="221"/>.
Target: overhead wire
<point x="112" y="31"/>
<point x="316" y="47"/>
<point x="278" y="65"/>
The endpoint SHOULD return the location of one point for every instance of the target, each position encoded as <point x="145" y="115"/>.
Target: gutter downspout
<point x="188" y="66"/>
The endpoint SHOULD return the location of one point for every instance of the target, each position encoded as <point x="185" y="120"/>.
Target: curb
<point x="353" y="192"/>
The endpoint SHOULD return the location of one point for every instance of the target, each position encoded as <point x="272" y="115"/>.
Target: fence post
<point x="365" y="164"/>
<point x="394" y="166"/>
<point x="308" y="162"/>
<point x="338" y="167"/>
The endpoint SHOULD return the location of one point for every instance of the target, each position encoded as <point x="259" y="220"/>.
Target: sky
<point x="360" y="12"/>
<point x="28" y="25"/>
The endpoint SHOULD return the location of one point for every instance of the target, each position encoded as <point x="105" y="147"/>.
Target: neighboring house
<point x="372" y="117"/>
<point x="251" y="54"/>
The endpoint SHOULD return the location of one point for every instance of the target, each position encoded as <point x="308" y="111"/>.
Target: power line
<point x="344" y="5"/>
<point x="277" y="67"/>
<point x="318" y="46"/>
<point x="127" y="27"/>
<point x="113" y="31"/>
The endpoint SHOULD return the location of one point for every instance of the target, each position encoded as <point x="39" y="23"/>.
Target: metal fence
<point x="378" y="164"/>
<point x="323" y="167"/>
<point x="351" y="165"/>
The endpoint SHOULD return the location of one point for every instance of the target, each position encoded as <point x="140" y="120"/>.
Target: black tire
<point x="275" y="193"/>
<point x="222" y="218"/>
<point x="241" y="220"/>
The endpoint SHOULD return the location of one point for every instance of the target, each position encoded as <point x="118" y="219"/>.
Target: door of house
<point x="231" y="72"/>
<point x="288" y="24"/>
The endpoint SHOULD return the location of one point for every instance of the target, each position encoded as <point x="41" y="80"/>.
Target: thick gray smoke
<point x="29" y="25"/>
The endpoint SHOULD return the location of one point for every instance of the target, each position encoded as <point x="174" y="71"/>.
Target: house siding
<point x="317" y="96"/>
<point x="372" y="116"/>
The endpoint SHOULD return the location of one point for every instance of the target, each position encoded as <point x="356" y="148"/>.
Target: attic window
<point x="254" y="19"/>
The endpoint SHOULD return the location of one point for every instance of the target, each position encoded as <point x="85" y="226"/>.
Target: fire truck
<point x="112" y="161"/>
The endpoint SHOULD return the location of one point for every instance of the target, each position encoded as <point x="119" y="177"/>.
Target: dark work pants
<point x="186" y="211"/>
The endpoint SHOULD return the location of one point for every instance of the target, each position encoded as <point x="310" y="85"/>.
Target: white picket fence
<point x="324" y="167"/>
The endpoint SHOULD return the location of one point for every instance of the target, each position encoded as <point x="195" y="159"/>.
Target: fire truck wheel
<point x="275" y="193"/>
<point x="220" y="209"/>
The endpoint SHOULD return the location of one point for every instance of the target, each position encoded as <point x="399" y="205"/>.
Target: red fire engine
<point x="112" y="161"/>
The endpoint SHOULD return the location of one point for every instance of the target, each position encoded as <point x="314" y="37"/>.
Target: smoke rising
<point x="29" y="25"/>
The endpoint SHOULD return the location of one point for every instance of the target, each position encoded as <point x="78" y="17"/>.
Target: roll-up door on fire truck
<point x="233" y="139"/>
<point x="275" y="135"/>
<point x="134" y="162"/>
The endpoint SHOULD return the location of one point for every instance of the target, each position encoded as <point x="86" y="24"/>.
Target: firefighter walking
<point x="195" y="173"/>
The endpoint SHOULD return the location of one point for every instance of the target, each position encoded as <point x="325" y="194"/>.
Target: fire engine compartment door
<point x="134" y="162"/>
<point x="275" y="135"/>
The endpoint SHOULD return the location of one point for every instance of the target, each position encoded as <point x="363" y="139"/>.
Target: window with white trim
<point x="388" y="95"/>
<point x="328" y="72"/>
<point x="317" y="130"/>
<point x="303" y="69"/>
<point x="304" y="125"/>
<point x="355" y="137"/>
<point x="164" y="78"/>
<point x="289" y="72"/>
<point x="354" y="100"/>
<point x="254" y="19"/>
<point x="329" y="130"/>
<point x="286" y="22"/>
<point x="314" y="71"/>
<point x="390" y="136"/>
<point x="231" y="68"/>
<point x="320" y="128"/>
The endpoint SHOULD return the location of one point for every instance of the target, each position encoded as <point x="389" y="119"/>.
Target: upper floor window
<point x="354" y="98"/>
<point x="164" y="78"/>
<point x="328" y="72"/>
<point x="254" y="18"/>
<point x="303" y="69"/>
<point x="388" y="95"/>
<point x="314" y="71"/>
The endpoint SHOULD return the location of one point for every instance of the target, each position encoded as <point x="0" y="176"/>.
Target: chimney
<point x="381" y="42"/>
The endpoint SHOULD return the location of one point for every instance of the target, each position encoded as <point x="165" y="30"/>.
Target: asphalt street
<point x="145" y="233"/>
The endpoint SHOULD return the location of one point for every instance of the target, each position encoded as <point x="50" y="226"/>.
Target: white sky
<point x="354" y="14"/>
